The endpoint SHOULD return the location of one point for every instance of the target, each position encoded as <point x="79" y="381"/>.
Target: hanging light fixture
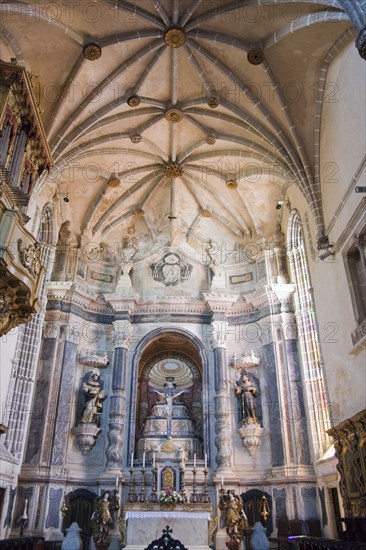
<point x="264" y="509"/>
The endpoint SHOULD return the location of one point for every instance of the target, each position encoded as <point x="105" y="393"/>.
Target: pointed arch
<point x="309" y="342"/>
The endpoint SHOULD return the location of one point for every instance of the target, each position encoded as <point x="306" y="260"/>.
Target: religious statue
<point x="215" y="266"/>
<point x="101" y="518"/>
<point x="248" y="392"/>
<point x="65" y="251"/>
<point x="169" y="393"/>
<point x="94" y="397"/>
<point x="129" y="249"/>
<point x="235" y="520"/>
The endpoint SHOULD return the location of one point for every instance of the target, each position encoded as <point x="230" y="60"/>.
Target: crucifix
<point x="169" y="393"/>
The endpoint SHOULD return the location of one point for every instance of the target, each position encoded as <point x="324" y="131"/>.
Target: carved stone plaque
<point x="171" y="270"/>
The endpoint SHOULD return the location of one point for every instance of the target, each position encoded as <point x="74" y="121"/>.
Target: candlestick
<point x="154" y="494"/>
<point x="194" y="460"/>
<point x="193" y="497"/>
<point x="205" y="495"/>
<point x="131" y="494"/>
<point x="142" y="496"/>
<point x="205" y="460"/>
<point x="143" y="460"/>
<point x="153" y="459"/>
<point x="131" y="460"/>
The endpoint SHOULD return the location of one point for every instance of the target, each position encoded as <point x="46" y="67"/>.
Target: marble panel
<point x="53" y="517"/>
<point x="38" y="418"/>
<point x="279" y="496"/>
<point x="297" y="397"/>
<point x="273" y="405"/>
<point x="64" y="410"/>
<point x="309" y="497"/>
<point x="11" y="498"/>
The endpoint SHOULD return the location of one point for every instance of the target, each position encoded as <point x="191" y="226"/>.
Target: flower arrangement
<point x="169" y="496"/>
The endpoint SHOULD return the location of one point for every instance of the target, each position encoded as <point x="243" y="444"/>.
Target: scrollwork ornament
<point x="30" y="257"/>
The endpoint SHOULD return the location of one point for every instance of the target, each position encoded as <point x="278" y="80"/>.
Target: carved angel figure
<point x="101" y="518"/>
<point x="235" y="520"/>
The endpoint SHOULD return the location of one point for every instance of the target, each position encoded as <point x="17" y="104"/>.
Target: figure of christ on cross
<point x="169" y="393"/>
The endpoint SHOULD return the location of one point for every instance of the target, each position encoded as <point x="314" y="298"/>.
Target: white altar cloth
<point x="189" y="515"/>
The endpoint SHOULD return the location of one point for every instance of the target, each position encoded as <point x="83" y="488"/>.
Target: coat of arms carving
<point x="171" y="270"/>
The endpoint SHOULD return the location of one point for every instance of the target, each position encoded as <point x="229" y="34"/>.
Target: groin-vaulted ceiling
<point x="192" y="119"/>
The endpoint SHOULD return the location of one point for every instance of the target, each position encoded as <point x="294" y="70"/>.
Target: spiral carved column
<point x="122" y="337"/>
<point x="222" y="414"/>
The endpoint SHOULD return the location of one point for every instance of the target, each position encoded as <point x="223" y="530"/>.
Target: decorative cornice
<point x="122" y="304"/>
<point x="241" y="307"/>
<point x="219" y="303"/>
<point x="69" y="292"/>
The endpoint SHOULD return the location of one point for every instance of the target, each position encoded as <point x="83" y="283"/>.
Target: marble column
<point x="222" y="414"/>
<point x="122" y="339"/>
<point x="295" y="413"/>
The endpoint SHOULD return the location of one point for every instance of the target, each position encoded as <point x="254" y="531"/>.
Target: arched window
<point x="312" y="364"/>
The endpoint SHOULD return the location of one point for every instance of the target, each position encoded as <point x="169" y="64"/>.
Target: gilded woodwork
<point x="21" y="271"/>
<point x="350" y="447"/>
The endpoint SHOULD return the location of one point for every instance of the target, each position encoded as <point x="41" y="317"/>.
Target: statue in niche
<point x="235" y="520"/>
<point x="101" y="519"/>
<point x="247" y="391"/>
<point x="94" y="397"/>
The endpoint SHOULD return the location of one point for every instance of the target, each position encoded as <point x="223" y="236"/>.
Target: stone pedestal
<point x="221" y="539"/>
<point x="250" y="435"/>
